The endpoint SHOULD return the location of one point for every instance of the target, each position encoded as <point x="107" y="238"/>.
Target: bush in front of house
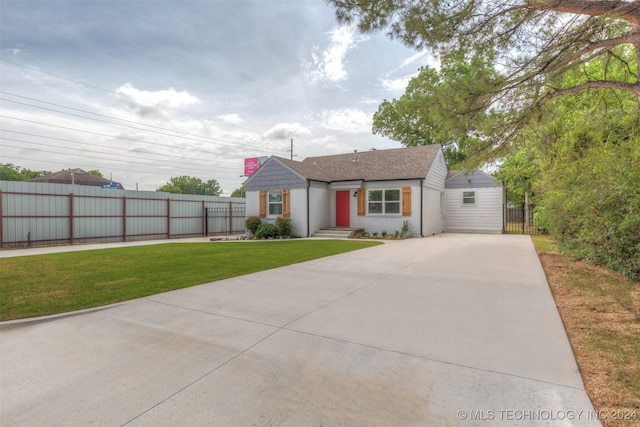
<point x="266" y="231"/>
<point x="284" y="227"/>
<point x="252" y="223"/>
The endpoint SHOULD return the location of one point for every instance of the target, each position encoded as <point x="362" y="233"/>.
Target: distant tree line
<point x="11" y="172"/>
<point x="177" y="185"/>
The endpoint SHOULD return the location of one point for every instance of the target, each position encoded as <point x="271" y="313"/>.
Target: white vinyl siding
<point x="433" y="220"/>
<point x="483" y="216"/>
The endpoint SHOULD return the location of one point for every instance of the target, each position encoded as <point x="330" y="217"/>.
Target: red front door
<point x="342" y="208"/>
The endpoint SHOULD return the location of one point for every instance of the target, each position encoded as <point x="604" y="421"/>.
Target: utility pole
<point x="291" y="149"/>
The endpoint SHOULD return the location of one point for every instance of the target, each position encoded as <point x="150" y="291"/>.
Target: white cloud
<point x="148" y="103"/>
<point x="16" y="51"/>
<point x="393" y="83"/>
<point x="347" y="120"/>
<point x="286" y="130"/>
<point x="233" y="119"/>
<point x="368" y="101"/>
<point x="398" y="84"/>
<point x="329" y="64"/>
<point x="413" y="59"/>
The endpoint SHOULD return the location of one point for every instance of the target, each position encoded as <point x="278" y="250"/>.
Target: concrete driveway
<point x="448" y="330"/>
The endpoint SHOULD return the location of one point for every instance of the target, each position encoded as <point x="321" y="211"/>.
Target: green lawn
<point x="544" y="243"/>
<point x="48" y="284"/>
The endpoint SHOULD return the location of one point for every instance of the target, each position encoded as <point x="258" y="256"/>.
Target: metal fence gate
<point x="225" y="220"/>
<point x="519" y="219"/>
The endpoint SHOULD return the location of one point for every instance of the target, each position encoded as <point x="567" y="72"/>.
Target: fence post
<point x="1" y="222"/>
<point x="204" y="220"/>
<point x="504" y="210"/>
<point x="124" y="218"/>
<point x="230" y="219"/>
<point x="168" y="218"/>
<point x="71" y="218"/>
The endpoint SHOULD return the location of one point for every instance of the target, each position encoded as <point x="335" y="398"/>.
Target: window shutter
<point x="406" y="201"/>
<point x="263" y="204"/>
<point x="361" y="202"/>
<point x="286" y="206"/>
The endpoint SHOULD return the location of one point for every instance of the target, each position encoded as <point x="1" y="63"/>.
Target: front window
<point x="468" y="197"/>
<point x="275" y="202"/>
<point x="384" y="201"/>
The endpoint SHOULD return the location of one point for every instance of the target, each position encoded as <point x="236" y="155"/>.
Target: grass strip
<point x="600" y="310"/>
<point x="56" y="283"/>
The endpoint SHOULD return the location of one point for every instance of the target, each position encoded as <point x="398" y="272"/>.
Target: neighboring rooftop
<point x="75" y="176"/>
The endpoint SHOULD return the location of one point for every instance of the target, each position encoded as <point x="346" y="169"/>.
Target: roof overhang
<point x="345" y="185"/>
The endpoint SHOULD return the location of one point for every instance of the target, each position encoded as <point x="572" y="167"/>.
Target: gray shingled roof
<point x="375" y="165"/>
<point x="80" y="177"/>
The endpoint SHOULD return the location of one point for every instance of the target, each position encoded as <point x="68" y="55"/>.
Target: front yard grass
<point x="601" y="314"/>
<point x="55" y="283"/>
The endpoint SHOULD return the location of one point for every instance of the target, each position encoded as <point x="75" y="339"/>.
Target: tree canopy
<point x="581" y="166"/>
<point x="428" y="112"/>
<point x="239" y="192"/>
<point x="11" y="172"/>
<point x="190" y="185"/>
<point x="532" y="43"/>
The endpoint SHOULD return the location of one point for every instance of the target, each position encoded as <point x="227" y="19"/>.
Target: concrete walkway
<point x="447" y="330"/>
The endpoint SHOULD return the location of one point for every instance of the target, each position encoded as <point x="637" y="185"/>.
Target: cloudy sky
<point x="146" y="90"/>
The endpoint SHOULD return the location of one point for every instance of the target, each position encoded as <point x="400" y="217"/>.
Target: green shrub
<point x="406" y="232"/>
<point x="266" y="231"/>
<point x="592" y="206"/>
<point x="285" y="227"/>
<point x="252" y="223"/>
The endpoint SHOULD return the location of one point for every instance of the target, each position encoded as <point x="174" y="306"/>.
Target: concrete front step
<point x="337" y="233"/>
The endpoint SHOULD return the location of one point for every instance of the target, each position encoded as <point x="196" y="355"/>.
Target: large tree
<point x="532" y="43"/>
<point x="581" y="166"/>
<point x="190" y="185"/>
<point x="428" y="112"/>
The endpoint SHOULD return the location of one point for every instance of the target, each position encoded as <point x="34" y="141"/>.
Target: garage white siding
<point x="483" y="216"/>
<point x="437" y="173"/>
<point x="432" y="215"/>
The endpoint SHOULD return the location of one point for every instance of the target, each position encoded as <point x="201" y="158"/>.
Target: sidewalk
<point x="8" y="253"/>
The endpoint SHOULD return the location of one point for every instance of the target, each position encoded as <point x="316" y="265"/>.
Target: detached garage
<point x="473" y="203"/>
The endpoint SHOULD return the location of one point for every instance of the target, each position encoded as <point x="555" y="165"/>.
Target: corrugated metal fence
<point x="37" y="214"/>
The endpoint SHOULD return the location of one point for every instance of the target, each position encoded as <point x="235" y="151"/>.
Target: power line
<point x="98" y="152"/>
<point x="93" y="157"/>
<point x="188" y="137"/>
<point x="103" y="134"/>
<point x="109" y="146"/>
<point x="124" y="95"/>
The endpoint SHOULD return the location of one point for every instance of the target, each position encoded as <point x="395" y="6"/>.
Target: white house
<point x="376" y="190"/>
